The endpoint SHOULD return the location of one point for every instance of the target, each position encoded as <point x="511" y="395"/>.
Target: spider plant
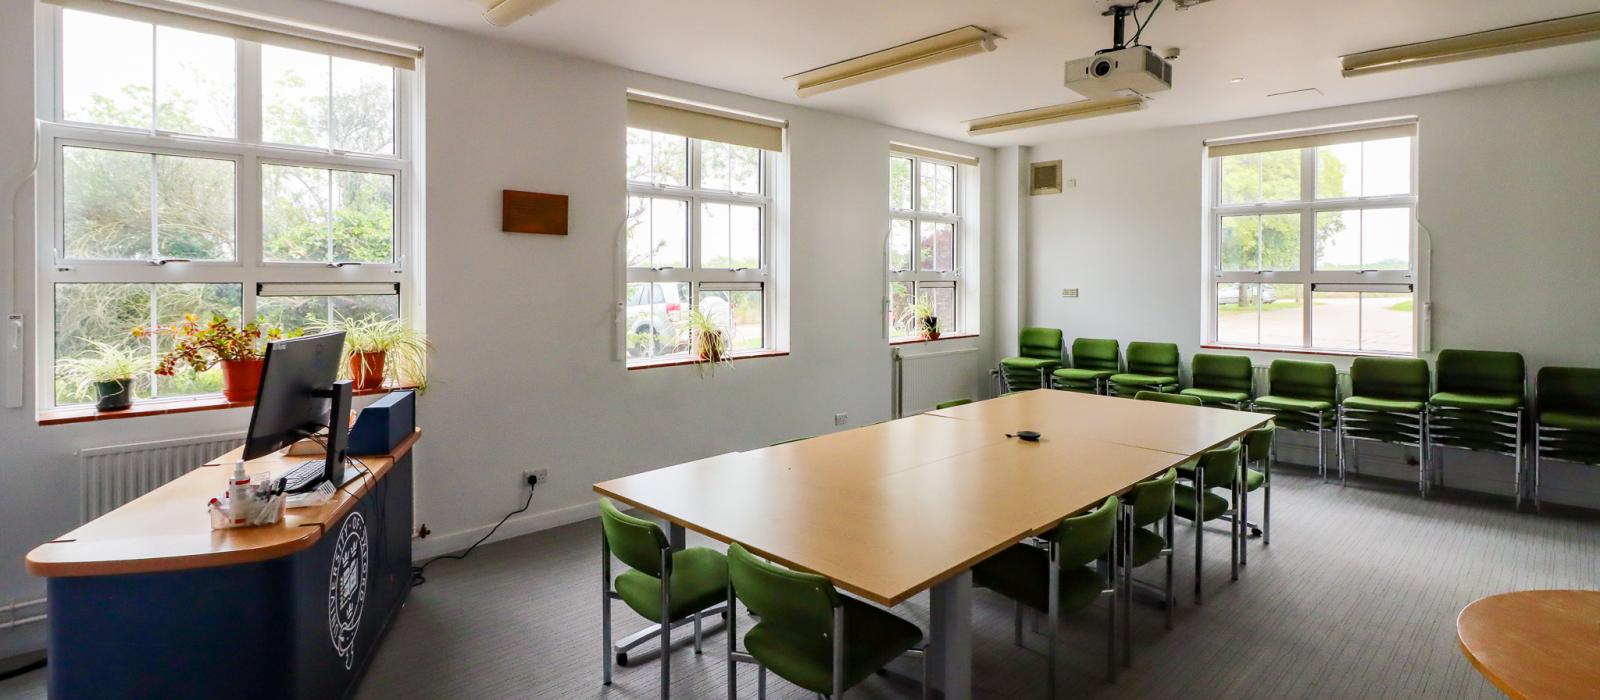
<point x="708" y="341"/>
<point x="108" y="371"/>
<point x="378" y="347"/>
<point x="919" y="317"/>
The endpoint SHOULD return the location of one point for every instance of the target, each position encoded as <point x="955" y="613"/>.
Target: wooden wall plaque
<point x="533" y="212"/>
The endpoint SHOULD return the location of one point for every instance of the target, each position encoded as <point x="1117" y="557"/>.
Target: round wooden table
<point x="1535" y="644"/>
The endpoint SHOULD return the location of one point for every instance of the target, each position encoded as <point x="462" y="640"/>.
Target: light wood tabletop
<point x="1149" y="424"/>
<point x="1535" y="644"/>
<point x="168" y="528"/>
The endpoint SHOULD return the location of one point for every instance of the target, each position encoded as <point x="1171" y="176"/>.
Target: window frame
<point x="762" y="277"/>
<point x="249" y="153"/>
<point x="1307" y="207"/>
<point x="917" y="278"/>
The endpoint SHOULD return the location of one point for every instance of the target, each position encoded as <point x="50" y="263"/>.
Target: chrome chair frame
<point x="618" y="652"/>
<point x="1322" y="427"/>
<point x="1418" y="433"/>
<point x="1510" y="444"/>
<point x="1547" y="440"/>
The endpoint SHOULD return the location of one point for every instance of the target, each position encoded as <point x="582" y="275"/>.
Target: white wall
<point x="524" y="375"/>
<point x="1508" y="183"/>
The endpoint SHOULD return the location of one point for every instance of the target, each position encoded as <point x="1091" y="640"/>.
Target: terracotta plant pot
<point x="114" y="395"/>
<point x="241" y="379"/>
<point x="930" y="328"/>
<point x="366" y="369"/>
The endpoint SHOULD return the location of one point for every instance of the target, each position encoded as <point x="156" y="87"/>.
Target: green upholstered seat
<point x="1094" y="360"/>
<point x="1221" y="379"/>
<point x="1183" y="502"/>
<point x="1289" y="403"/>
<point x="1038" y="354"/>
<point x="1479" y="405"/>
<point x="1254" y="479"/>
<point x="1160" y="397"/>
<point x="1570" y="421"/>
<point x="794" y="637"/>
<point x="1151" y="366"/>
<point x="952" y="404"/>
<point x="1302" y="395"/>
<point x="699" y="580"/>
<point x="1478" y="402"/>
<point x="1388" y="398"/>
<point x="1367" y="403"/>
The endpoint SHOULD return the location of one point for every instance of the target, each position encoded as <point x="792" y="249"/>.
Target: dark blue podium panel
<point x="301" y="626"/>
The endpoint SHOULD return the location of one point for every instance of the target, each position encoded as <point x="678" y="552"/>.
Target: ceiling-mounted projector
<point x="1127" y="68"/>
<point x="1135" y="70"/>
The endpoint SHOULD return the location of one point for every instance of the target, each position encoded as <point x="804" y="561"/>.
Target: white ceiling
<point x="748" y="46"/>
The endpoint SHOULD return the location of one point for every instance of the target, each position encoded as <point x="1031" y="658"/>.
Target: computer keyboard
<point x="303" y="477"/>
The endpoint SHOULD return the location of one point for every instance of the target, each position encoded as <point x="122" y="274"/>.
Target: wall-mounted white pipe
<point x="507" y="12"/>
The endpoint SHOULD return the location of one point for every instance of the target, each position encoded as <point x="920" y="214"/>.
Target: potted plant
<point x="707" y="339"/>
<point x="379" y="348"/>
<point x="202" y="346"/>
<point x="109" y="370"/>
<point x="920" y="316"/>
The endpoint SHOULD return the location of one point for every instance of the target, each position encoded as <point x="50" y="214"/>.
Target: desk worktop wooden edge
<point x="847" y="586"/>
<point x="39" y="563"/>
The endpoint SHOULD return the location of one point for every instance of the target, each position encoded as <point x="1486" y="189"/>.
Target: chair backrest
<point x="1574" y="389"/>
<point x="1303" y="379"/>
<point x="1040" y="343"/>
<point x="1221" y="465"/>
<point x="1221" y="372"/>
<point x="1152" y="499"/>
<point x="798" y="603"/>
<point x="1099" y="354"/>
<point x="1258" y="442"/>
<point x="953" y="403"/>
<point x="1085" y="538"/>
<point x="637" y="542"/>
<point x="1160" y="397"/>
<point x="1481" y="372"/>
<point x="1153" y="358"/>
<point x="1395" y="378"/>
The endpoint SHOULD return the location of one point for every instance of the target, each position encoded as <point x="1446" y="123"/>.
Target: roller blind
<point x="698" y="121"/>
<point x="910" y="150"/>
<point x="319" y="289"/>
<point x="1310" y="138"/>
<point x="252" y="27"/>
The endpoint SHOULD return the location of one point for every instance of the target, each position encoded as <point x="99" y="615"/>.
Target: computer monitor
<point x="300" y="394"/>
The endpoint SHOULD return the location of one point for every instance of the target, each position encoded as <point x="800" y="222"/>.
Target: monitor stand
<point x="340" y="398"/>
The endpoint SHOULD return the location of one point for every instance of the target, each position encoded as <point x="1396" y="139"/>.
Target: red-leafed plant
<point x="202" y="345"/>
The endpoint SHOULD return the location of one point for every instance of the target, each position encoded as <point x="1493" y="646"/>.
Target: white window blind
<point x="704" y="122"/>
<point x="1311" y="138"/>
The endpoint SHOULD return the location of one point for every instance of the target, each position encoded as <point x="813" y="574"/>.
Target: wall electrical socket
<point x="1069" y="293"/>
<point x="542" y="474"/>
<point x="841" y="418"/>
<point x="1070" y="183"/>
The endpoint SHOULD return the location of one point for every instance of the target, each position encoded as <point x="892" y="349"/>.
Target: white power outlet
<point x="841" y="418"/>
<point x="542" y="474"/>
<point x="1070" y="293"/>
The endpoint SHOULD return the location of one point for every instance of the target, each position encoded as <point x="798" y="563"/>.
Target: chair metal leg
<point x="1016" y="631"/>
<point x="1340" y="422"/>
<point x="1053" y="606"/>
<point x="1322" y="461"/>
<point x="838" y="653"/>
<point x="1244" y="517"/>
<point x="1538" y="436"/>
<point x="761" y="683"/>
<point x="666" y="623"/>
<point x="1172" y="599"/>
<point x="1237" y="524"/>
<point x="1126" y="589"/>
<point x="733" y="639"/>
<point x="1199" y="530"/>
<point x="1266" y="498"/>
<point x="1518" y="465"/>
<point x="605" y="610"/>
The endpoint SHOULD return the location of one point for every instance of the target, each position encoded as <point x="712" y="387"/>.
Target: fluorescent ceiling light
<point x="926" y="51"/>
<point x="504" y="12"/>
<point x="1083" y="109"/>
<point x="1522" y="37"/>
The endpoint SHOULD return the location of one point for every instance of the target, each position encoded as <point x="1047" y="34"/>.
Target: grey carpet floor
<point x="1356" y="597"/>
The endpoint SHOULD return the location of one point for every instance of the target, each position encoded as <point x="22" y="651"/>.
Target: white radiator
<point x="923" y="379"/>
<point x="116" y="474"/>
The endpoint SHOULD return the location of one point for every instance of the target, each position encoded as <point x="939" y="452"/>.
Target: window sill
<point x="140" y="409"/>
<point x="1304" y="351"/>
<point x="681" y="362"/>
<point x="946" y="336"/>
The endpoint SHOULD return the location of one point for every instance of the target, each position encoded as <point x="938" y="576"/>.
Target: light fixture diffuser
<point x="1082" y="109"/>
<point x="504" y="12"/>
<point x="1522" y="37"/>
<point x="956" y="43"/>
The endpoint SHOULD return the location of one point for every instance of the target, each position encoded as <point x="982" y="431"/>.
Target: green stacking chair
<point x="1149" y="505"/>
<point x="1258" y="452"/>
<point x="808" y="634"/>
<point x="1151" y="367"/>
<point x="1195" y="502"/>
<point x="1159" y="397"/>
<point x="1094" y="360"/>
<point x="1388" y="403"/>
<point x="1479" y="404"/>
<point x="952" y="404"/>
<point x="1040" y="350"/>
<point x="1221" y="380"/>
<point x="1057" y="578"/>
<point x="1567" y="424"/>
<point x="1303" y="396"/>
<point x="697" y="579"/>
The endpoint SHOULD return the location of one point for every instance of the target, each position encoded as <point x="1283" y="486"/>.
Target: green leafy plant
<point x="707" y="339"/>
<point x="105" y="363"/>
<point x="916" y="318"/>
<point x="406" y="349"/>
<point x="202" y="345"/>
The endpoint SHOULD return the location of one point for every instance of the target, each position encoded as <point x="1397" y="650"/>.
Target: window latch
<point x="1364" y="272"/>
<point x="163" y="261"/>
<point x="343" y="263"/>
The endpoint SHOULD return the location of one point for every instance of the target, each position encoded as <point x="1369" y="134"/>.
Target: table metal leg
<point x="950" y="637"/>
<point x="676" y="537"/>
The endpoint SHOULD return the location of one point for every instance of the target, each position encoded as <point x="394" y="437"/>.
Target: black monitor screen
<point x="292" y="402"/>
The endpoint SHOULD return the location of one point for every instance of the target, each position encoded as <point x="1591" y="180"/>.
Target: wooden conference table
<point x="893" y="509"/>
<point x="1535" y="644"/>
